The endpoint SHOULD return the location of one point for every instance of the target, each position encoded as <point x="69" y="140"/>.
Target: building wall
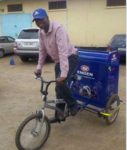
<point x="88" y="22"/>
<point x="91" y="23"/>
<point x="12" y="23"/>
<point x="0" y="25"/>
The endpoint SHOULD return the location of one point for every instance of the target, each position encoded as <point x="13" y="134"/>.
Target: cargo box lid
<point x="103" y="56"/>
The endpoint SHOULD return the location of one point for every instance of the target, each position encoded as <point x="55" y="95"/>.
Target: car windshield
<point x="2" y="39"/>
<point x="118" y="41"/>
<point x="28" y="34"/>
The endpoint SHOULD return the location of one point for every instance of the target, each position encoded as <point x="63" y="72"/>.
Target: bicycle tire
<point x="111" y="119"/>
<point x="20" y="129"/>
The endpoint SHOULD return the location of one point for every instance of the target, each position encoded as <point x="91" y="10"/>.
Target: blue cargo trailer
<point x="95" y="81"/>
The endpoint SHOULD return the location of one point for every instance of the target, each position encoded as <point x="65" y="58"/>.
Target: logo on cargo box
<point x="114" y="57"/>
<point x="85" y="68"/>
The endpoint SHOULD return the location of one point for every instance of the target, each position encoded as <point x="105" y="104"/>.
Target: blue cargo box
<point x="97" y="77"/>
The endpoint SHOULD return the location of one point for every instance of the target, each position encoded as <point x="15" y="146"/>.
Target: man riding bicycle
<point x="54" y="41"/>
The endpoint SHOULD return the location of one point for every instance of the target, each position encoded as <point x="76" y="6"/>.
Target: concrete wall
<point x="88" y="22"/>
<point x="92" y="23"/>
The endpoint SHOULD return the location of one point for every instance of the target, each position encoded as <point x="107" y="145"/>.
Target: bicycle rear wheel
<point x="112" y="108"/>
<point x="33" y="132"/>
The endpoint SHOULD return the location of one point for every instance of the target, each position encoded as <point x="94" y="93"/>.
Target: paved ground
<point x="19" y="96"/>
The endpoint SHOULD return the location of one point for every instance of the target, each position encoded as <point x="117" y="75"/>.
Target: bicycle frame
<point x="47" y="103"/>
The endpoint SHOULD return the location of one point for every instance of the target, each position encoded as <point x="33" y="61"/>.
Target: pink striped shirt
<point x="56" y="44"/>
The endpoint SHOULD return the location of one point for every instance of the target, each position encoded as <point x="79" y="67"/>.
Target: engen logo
<point x="84" y="68"/>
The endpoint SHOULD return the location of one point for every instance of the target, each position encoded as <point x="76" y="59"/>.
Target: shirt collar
<point x="50" y="29"/>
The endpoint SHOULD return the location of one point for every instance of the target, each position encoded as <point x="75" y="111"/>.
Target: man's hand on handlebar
<point x="37" y="72"/>
<point x="60" y="80"/>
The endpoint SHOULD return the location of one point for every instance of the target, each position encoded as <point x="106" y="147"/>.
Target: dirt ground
<point x="20" y="96"/>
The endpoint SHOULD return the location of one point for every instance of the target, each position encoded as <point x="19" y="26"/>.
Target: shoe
<point x="58" y="115"/>
<point x="74" y="110"/>
<point x="53" y="120"/>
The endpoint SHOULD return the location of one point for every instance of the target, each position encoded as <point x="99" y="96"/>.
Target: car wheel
<point x="1" y="53"/>
<point x="24" y="59"/>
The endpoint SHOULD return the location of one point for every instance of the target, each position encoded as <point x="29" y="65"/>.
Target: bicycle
<point x="39" y="129"/>
<point x="94" y="86"/>
<point x="34" y="131"/>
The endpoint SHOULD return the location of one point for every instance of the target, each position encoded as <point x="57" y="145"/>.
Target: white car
<point x="6" y="45"/>
<point x="27" y="44"/>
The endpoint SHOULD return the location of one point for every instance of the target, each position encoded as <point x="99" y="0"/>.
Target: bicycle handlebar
<point x="44" y="81"/>
<point x="44" y="91"/>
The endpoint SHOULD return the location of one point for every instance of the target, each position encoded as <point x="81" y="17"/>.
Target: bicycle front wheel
<point x="32" y="133"/>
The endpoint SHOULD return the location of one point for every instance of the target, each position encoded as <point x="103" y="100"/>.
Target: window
<point x="10" y="39"/>
<point x="116" y="2"/>
<point x="61" y="4"/>
<point x="28" y="34"/>
<point x="15" y="7"/>
<point x="3" y="40"/>
<point x="118" y="40"/>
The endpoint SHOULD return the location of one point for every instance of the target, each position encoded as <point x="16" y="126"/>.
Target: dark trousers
<point x="62" y="90"/>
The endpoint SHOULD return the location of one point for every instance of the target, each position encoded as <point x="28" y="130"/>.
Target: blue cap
<point x="39" y="14"/>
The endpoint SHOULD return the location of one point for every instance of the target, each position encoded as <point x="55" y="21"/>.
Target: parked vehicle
<point x="6" y="45"/>
<point x="118" y="42"/>
<point x="27" y="44"/>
